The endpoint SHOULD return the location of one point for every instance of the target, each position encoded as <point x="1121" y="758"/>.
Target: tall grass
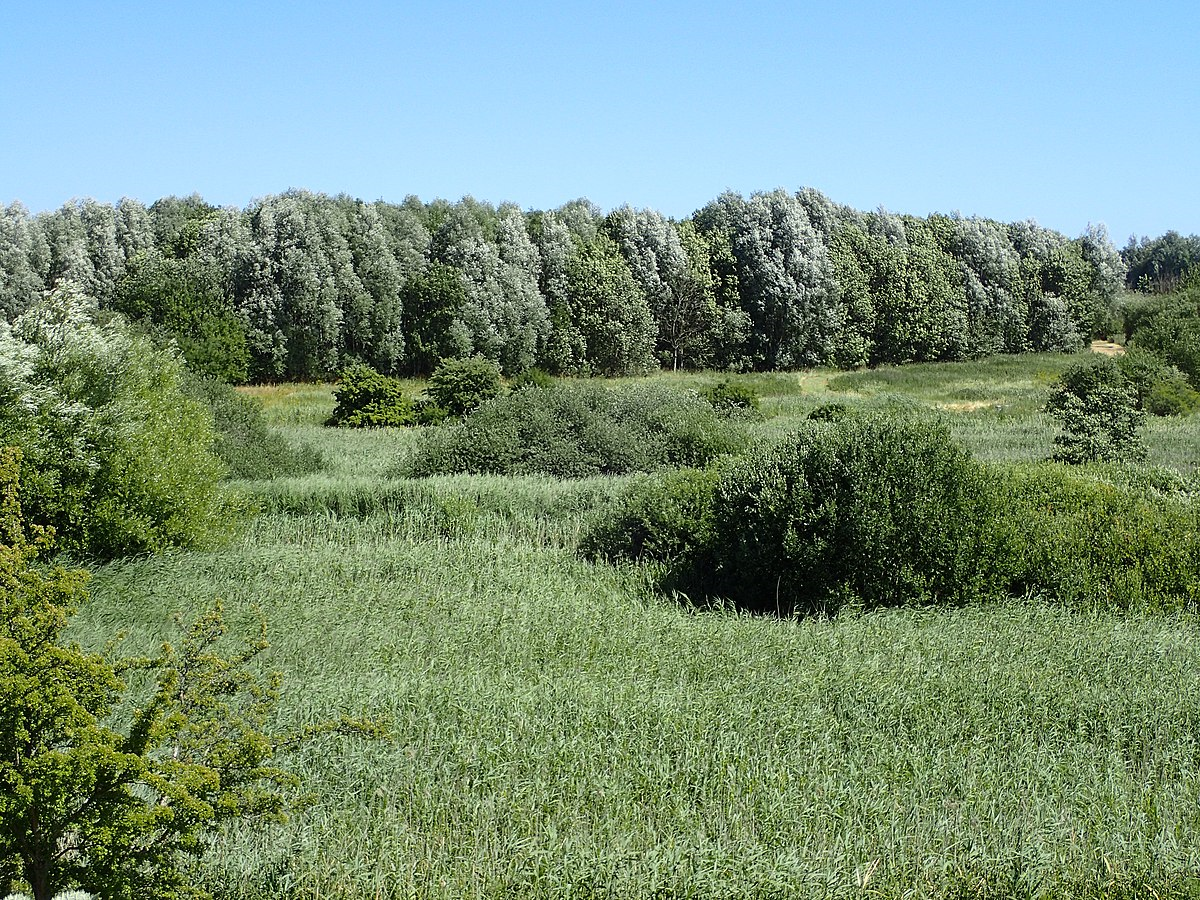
<point x="562" y="731"/>
<point x="559" y="731"/>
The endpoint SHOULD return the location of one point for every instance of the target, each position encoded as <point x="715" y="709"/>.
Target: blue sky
<point x="1065" y="112"/>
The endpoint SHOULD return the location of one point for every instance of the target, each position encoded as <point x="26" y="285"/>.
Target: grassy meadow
<point x="561" y="730"/>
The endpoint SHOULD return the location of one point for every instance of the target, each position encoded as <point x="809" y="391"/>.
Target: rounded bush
<point x="1097" y="408"/>
<point x="829" y="412"/>
<point x="868" y="511"/>
<point x="728" y="397"/>
<point x="366" y="399"/>
<point x="576" y="430"/>
<point x="462" y="385"/>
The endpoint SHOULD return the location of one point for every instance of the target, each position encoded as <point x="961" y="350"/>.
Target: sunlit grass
<point x="562" y="731"/>
<point x="559" y="729"/>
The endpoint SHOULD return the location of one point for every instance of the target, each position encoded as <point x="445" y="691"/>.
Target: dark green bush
<point x="1097" y="408"/>
<point x="829" y="412"/>
<point x="1172" y="396"/>
<point x="462" y="385"/>
<point x="429" y="411"/>
<point x="868" y="511"/>
<point x="244" y="442"/>
<point x="534" y="377"/>
<point x="367" y="399"/>
<point x="575" y="430"/>
<point x="728" y="397"/>
<point x="182" y="301"/>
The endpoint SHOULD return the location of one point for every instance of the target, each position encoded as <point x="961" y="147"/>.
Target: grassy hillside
<point x="561" y="730"/>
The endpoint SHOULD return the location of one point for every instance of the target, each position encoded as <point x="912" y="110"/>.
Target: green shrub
<point x="534" y="377"/>
<point x="727" y="397"/>
<point x="462" y="385"/>
<point x="244" y="442"/>
<point x="1170" y="327"/>
<point x="429" y="412"/>
<point x="868" y="511"/>
<point x="116" y="457"/>
<point x="1097" y="408"/>
<point x="366" y="399"/>
<point x="829" y="412"/>
<point x="135" y="784"/>
<point x="1172" y="396"/>
<point x="575" y="430"/>
<point x="665" y="517"/>
<point x="1084" y="538"/>
<point x="1159" y="388"/>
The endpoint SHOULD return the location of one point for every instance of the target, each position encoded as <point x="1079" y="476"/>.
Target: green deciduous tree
<point x="182" y="299"/>
<point x="610" y="311"/>
<point x="117" y="459"/>
<point x="24" y="260"/>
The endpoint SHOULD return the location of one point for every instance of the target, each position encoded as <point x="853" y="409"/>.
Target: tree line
<point x="301" y="285"/>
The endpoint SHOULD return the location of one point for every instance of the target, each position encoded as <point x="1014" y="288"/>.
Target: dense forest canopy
<point x="300" y="285"/>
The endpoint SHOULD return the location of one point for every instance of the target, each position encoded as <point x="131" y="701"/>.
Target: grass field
<point x="561" y="730"/>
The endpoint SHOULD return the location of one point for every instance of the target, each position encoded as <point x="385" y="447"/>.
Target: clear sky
<point x="1063" y="111"/>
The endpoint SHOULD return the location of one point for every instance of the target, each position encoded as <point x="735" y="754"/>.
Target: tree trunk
<point x="38" y="874"/>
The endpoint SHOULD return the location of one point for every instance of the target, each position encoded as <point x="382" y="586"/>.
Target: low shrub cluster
<point x="870" y="511"/>
<point x="667" y="518"/>
<point x="575" y="430"/>
<point x="1099" y="537"/>
<point x="729" y="397"/>
<point x="366" y="399"/>
<point x="1159" y="388"/>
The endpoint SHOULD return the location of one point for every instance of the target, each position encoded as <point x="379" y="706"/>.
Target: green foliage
<point x="1161" y="264"/>
<point x="461" y="385"/>
<point x="183" y="300"/>
<point x="610" y="312"/>
<point x="866" y="510"/>
<point x="1170" y="327"/>
<point x="829" y="412"/>
<point x="116" y="457"/>
<point x="728" y="397"/>
<point x="247" y="446"/>
<point x="533" y="377"/>
<point x="666" y="518"/>
<point x="367" y="399"/>
<point x="1159" y="388"/>
<point x="431" y="298"/>
<point x="1097" y="409"/>
<point x="1088" y="539"/>
<point x="575" y="430"/>
<point x="121" y="804"/>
